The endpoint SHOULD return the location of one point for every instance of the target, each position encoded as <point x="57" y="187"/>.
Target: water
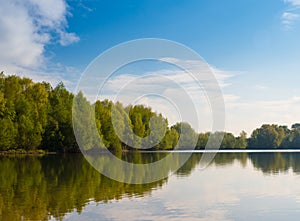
<point x="236" y="186"/>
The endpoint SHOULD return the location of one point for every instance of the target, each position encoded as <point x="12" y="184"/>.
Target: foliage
<point x="58" y="133"/>
<point x="268" y="136"/>
<point x="37" y="116"/>
<point x="187" y="136"/>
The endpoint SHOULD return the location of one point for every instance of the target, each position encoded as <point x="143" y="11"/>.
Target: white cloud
<point x="248" y="115"/>
<point x="26" y="27"/>
<point x="67" y="38"/>
<point x="47" y="13"/>
<point x="19" y="42"/>
<point x="291" y="15"/>
<point x="289" y="18"/>
<point x="203" y="70"/>
<point x="293" y="2"/>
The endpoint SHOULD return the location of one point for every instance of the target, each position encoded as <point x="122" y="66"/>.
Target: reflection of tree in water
<point x="276" y="162"/>
<point x="223" y="159"/>
<point x="37" y="188"/>
<point x="189" y="165"/>
<point x="268" y="163"/>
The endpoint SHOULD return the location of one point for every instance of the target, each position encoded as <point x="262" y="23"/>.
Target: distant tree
<point x="202" y="140"/>
<point x="292" y="139"/>
<point x="296" y="126"/>
<point x="241" y="141"/>
<point x="187" y="136"/>
<point x="267" y="136"/>
<point x="229" y="141"/>
<point x="169" y="141"/>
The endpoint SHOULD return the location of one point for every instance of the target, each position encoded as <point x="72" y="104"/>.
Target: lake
<point x="235" y="186"/>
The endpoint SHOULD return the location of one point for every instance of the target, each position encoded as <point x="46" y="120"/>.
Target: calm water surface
<point x="236" y="186"/>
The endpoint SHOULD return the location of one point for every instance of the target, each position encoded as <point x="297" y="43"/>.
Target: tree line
<point x="37" y="116"/>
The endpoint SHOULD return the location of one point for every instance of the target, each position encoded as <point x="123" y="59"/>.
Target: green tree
<point x="2" y="105"/>
<point x="103" y="112"/>
<point x="229" y="141"/>
<point x="83" y="122"/>
<point x="8" y="134"/>
<point x="292" y="139"/>
<point x="241" y="141"/>
<point x="296" y="126"/>
<point x="29" y="131"/>
<point x="267" y="136"/>
<point x="59" y="135"/>
<point x="187" y="136"/>
<point x="202" y="140"/>
<point x="169" y="141"/>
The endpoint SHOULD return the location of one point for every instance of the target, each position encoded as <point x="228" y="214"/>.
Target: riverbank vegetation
<point x="36" y="116"/>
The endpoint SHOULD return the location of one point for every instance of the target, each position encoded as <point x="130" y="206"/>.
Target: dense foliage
<point x="37" y="116"/>
<point x="34" y="115"/>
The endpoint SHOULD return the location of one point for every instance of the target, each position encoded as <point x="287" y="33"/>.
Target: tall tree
<point x="59" y="135"/>
<point x="8" y="134"/>
<point x="83" y="122"/>
<point x="106" y="128"/>
<point x="202" y="140"/>
<point x="187" y="136"/>
<point x="241" y="141"/>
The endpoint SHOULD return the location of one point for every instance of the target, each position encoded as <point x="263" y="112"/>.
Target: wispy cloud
<point x="67" y="38"/>
<point x="293" y="2"/>
<point x="240" y="114"/>
<point x="248" y="115"/>
<point x="173" y="92"/>
<point x="26" y="27"/>
<point x="290" y="16"/>
<point x="204" y="71"/>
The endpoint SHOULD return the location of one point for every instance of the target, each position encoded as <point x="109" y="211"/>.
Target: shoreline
<point x="41" y="152"/>
<point x="24" y="152"/>
<point x="228" y="151"/>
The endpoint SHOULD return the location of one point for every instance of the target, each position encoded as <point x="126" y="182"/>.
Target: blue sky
<point x="254" y="44"/>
